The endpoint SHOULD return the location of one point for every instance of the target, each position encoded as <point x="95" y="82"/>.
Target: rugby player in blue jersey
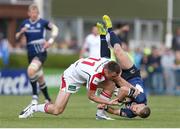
<point x="137" y="102"/>
<point x="33" y="29"/>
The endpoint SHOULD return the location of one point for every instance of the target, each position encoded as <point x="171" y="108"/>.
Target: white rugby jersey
<point x="86" y="70"/>
<point x="92" y="43"/>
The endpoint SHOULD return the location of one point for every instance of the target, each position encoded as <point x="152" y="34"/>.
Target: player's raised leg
<point x="104" y="51"/>
<point x="121" y="55"/>
<point x="113" y="37"/>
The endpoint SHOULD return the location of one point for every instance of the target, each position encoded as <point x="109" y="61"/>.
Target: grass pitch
<point x="80" y="112"/>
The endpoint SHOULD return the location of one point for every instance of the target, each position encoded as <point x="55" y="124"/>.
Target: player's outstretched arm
<point x="93" y="97"/>
<point x="127" y="90"/>
<point x="20" y="33"/>
<point x="54" y="34"/>
<point x="113" y="110"/>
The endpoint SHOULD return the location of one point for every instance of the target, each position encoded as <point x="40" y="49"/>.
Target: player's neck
<point x="33" y="20"/>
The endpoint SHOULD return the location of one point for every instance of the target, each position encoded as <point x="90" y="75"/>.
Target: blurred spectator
<point x="4" y="49"/>
<point x="137" y="57"/>
<point x="177" y="71"/>
<point x="176" y="40"/>
<point x="144" y="72"/>
<point x="167" y="62"/>
<point x="91" y="47"/>
<point x="155" y="71"/>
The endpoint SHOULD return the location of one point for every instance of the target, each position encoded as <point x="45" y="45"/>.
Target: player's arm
<point x="93" y="97"/>
<point x="21" y="32"/>
<point x="54" y="33"/>
<point x="127" y="90"/>
<point x="84" y="48"/>
<point x="124" y="112"/>
<point x="112" y="110"/>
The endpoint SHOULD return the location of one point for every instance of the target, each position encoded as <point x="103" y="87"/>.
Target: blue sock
<point x="114" y="39"/>
<point x="105" y="52"/>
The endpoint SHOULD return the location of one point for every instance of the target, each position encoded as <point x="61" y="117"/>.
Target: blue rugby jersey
<point x="35" y="35"/>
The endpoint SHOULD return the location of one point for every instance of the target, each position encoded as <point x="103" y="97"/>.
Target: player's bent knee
<point x="31" y="72"/>
<point x="58" y="111"/>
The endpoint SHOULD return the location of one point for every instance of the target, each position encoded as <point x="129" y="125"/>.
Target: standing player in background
<point x="34" y="31"/>
<point x="91" y="45"/>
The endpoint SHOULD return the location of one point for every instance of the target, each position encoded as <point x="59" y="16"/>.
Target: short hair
<point x="145" y="112"/>
<point x="112" y="66"/>
<point x="33" y="7"/>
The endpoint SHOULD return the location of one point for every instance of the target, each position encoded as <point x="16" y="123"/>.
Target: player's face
<point x="111" y="75"/>
<point x="125" y="28"/>
<point x="136" y="108"/>
<point x="33" y="14"/>
<point x="95" y="30"/>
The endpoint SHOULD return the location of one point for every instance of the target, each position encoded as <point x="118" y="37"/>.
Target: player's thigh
<point x="123" y="57"/>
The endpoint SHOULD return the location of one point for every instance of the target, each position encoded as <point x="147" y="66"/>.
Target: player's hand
<point x="101" y="106"/>
<point x="46" y="45"/>
<point x="114" y="102"/>
<point x="24" y="29"/>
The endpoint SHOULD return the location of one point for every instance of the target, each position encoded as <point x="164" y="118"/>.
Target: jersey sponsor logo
<point x="132" y="71"/>
<point x="72" y="88"/>
<point x="33" y="31"/>
<point x="38" y="25"/>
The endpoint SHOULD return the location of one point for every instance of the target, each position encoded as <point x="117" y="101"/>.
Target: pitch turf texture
<point x="80" y="112"/>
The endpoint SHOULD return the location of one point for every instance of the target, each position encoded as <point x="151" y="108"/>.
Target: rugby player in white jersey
<point x="94" y="73"/>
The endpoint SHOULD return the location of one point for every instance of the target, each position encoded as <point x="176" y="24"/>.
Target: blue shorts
<point x="138" y="83"/>
<point x="41" y="56"/>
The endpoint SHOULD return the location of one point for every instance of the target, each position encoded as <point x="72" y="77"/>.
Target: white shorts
<point x="69" y="86"/>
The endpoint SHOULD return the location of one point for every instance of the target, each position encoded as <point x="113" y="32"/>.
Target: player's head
<point x="112" y="70"/>
<point x="33" y="12"/>
<point x="141" y="110"/>
<point x="94" y="30"/>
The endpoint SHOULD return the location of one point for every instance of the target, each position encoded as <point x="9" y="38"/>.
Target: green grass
<point x="81" y="113"/>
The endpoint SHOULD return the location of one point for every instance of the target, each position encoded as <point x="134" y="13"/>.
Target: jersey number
<point x="91" y="61"/>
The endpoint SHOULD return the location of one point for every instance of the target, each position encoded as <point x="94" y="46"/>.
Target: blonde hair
<point x="33" y="7"/>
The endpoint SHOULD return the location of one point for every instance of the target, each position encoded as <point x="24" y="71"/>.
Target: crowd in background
<point x="160" y="66"/>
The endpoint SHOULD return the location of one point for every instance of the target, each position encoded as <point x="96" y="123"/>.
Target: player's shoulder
<point x="42" y="20"/>
<point x="89" y="36"/>
<point x="25" y="21"/>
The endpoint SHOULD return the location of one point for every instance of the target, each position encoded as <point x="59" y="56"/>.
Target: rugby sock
<point x="104" y="96"/>
<point x="105" y="52"/>
<point x="39" y="108"/>
<point x="44" y="90"/>
<point x="34" y="87"/>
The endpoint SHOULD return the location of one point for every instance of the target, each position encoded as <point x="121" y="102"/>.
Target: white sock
<point x="39" y="108"/>
<point x="104" y="96"/>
